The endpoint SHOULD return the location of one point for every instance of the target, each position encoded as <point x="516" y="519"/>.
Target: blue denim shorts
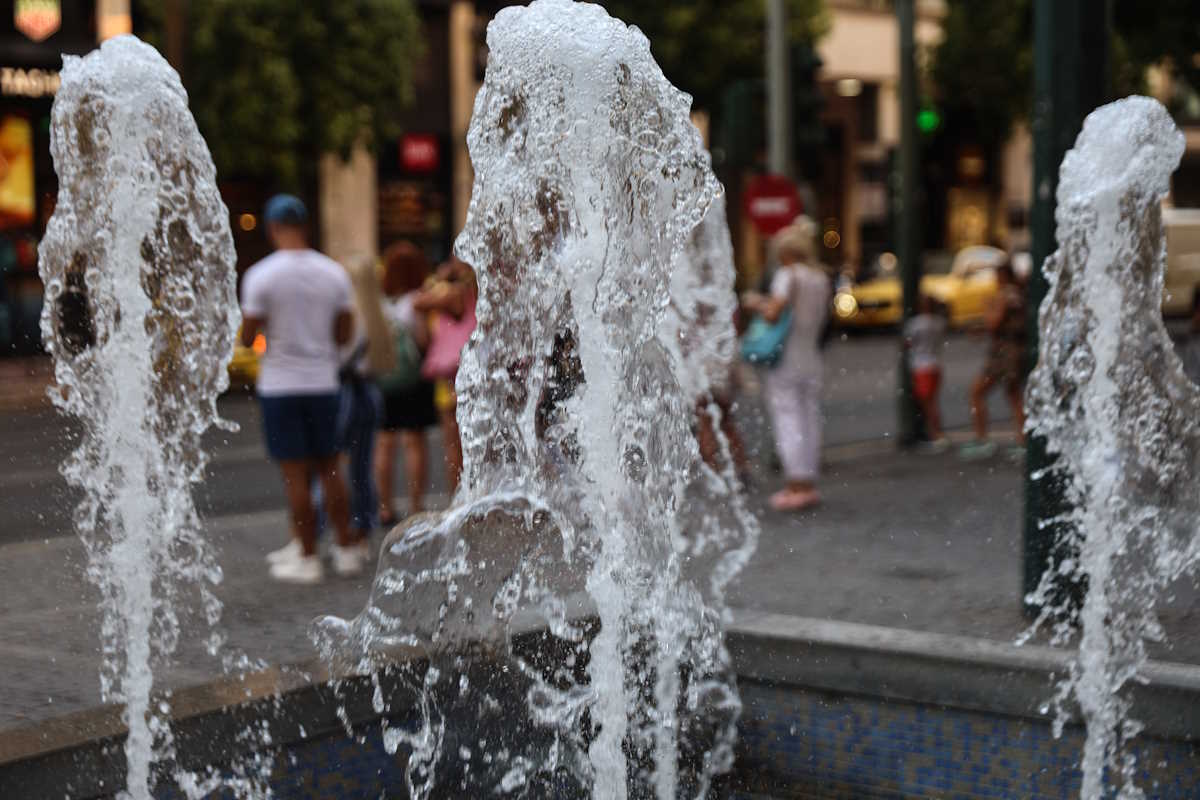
<point x="300" y="426"/>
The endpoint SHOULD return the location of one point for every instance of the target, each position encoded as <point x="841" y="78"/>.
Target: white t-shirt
<point x="300" y="294"/>
<point x="402" y="311"/>
<point x="809" y="290"/>
<point x="926" y="333"/>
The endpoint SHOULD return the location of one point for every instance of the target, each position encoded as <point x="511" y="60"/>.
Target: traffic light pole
<point x="1070" y="79"/>
<point x="779" y="91"/>
<point x="175" y="30"/>
<point x="906" y="202"/>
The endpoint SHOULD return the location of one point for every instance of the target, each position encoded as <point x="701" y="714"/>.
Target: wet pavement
<point x="923" y="542"/>
<point x="919" y="541"/>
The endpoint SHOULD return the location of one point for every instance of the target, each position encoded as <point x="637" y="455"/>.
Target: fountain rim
<point x="942" y="670"/>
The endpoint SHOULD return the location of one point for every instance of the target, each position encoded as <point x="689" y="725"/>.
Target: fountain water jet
<point x="583" y="490"/>
<point x="1110" y="396"/>
<point x="140" y="314"/>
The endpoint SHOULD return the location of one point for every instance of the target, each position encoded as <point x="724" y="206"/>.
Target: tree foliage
<point x="276" y="83"/>
<point x="982" y="72"/>
<point x="704" y="45"/>
<point x="1165" y="32"/>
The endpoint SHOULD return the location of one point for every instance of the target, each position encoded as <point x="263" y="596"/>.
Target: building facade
<point x="32" y="38"/>
<point x="860" y="80"/>
<point x="417" y="187"/>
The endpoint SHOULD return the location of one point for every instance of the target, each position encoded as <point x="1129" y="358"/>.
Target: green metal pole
<point x="1071" y="42"/>
<point x="908" y="217"/>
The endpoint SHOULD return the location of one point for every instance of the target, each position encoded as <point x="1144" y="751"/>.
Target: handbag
<point x="450" y="336"/>
<point x="763" y="342"/>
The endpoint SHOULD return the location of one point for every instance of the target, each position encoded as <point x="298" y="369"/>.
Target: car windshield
<point x="975" y="260"/>
<point x="885" y="265"/>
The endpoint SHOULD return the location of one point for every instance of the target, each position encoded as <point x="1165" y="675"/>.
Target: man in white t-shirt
<point x="302" y="301"/>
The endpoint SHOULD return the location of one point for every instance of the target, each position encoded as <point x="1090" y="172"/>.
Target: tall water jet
<point x="1110" y="396"/>
<point x="582" y="568"/>
<point x="140" y="314"/>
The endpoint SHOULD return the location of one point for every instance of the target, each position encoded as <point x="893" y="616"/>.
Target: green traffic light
<point x="928" y="120"/>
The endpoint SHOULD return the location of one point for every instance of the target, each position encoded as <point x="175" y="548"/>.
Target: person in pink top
<point x="450" y="300"/>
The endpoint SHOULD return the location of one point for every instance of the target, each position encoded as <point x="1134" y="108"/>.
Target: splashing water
<point x="140" y="314"/>
<point x="703" y="304"/>
<point x="1111" y="398"/>
<point x="581" y="572"/>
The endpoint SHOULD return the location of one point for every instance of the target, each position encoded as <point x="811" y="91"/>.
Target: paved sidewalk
<point x="922" y="542"/>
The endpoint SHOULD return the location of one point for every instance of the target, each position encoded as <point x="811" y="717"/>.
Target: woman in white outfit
<point x="794" y="384"/>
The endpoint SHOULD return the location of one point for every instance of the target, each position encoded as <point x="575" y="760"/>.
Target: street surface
<point x="36" y="504"/>
<point x="917" y="541"/>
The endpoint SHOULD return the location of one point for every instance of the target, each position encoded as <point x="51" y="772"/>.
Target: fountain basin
<point x="832" y="709"/>
<point x="835" y="709"/>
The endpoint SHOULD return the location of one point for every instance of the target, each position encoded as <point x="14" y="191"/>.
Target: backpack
<point x="406" y="372"/>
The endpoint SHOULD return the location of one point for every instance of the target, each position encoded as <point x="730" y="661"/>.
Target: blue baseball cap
<point x="286" y="209"/>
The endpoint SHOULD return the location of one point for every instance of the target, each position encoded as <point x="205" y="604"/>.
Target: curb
<point x="881" y="664"/>
<point x="943" y="670"/>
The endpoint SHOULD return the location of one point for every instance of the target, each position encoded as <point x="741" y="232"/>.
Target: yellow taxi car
<point x="243" y="367"/>
<point x="871" y="303"/>
<point x="964" y="291"/>
<point x="971" y="281"/>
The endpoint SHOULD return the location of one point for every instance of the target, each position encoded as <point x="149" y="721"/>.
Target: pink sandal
<point x="789" y="500"/>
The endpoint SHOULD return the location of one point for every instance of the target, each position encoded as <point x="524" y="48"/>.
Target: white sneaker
<point x="347" y="561"/>
<point x="289" y="552"/>
<point x="302" y="569"/>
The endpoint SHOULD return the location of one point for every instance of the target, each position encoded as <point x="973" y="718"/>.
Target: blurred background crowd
<point x="359" y="111"/>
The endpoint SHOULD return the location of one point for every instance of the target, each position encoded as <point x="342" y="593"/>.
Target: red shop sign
<point x="419" y="152"/>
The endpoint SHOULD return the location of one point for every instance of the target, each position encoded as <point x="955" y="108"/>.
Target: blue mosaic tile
<point x="859" y="747"/>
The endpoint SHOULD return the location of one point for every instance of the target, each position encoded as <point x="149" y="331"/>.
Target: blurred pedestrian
<point x="717" y="408"/>
<point x="302" y="301"/>
<point x="1005" y="364"/>
<point x="801" y="285"/>
<point x="450" y="299"/>
<point x="924" y="336"/>
<point x="407" y="395"/>
<point x="714" y="411"/>
<point x="367" y="355"/>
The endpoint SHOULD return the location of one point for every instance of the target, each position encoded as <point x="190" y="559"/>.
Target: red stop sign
<point x="771" y="202"/>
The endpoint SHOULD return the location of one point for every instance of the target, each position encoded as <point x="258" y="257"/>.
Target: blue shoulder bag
<point x="763" y="342"/>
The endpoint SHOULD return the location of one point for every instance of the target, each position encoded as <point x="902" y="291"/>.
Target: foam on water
<point x="140" y="314"/>
<point x="582" y="568"/>
<point x="1111" y="398"/>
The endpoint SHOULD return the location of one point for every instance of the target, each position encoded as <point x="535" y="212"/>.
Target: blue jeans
<point x="359" y="412"/>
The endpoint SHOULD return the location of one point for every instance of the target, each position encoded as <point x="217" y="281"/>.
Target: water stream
<point x="568" y="609"/>
<point x="559" y="630"/>
<point x="1111" y="398"/>
<point x="140" y="314"/>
